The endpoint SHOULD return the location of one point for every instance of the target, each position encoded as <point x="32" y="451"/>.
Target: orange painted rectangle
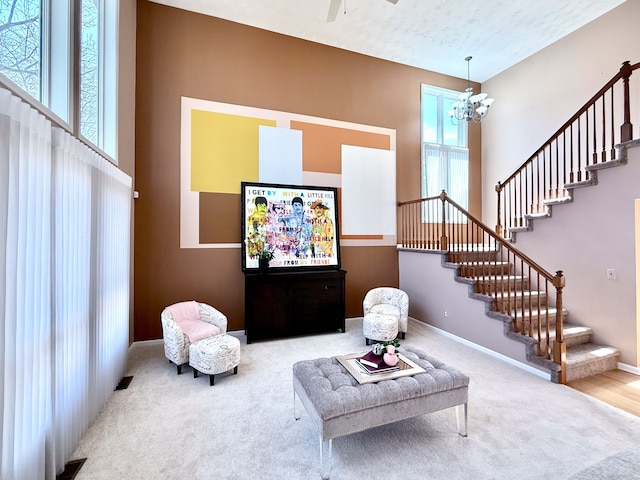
<point x="322" y="145"/>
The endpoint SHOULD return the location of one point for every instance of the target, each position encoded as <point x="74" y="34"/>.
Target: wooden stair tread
<point x="518" y="294"/>
<point x="505" y="278"/>
<point x="569" y="330"/>
<point x="482" y="264"/>
<point x="471" y="248"/>
<point x="588" y="352"/>
<point x="535" y="313"/>
<point x="573" y="335"/>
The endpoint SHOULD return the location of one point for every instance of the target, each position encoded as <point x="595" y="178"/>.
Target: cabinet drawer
<point x="317" y="292"/>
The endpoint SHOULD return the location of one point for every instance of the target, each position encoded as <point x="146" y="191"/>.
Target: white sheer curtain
<point x="72" y="244"/>
<point x="25" y="299"/>
<point x="446" y="168"/>
<point x="64" y="289"/>
<point x="110" y="231"/>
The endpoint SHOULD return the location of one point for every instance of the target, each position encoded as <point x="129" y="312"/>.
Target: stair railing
<point x="588" y="138"/>
<point x="496" y="267"/>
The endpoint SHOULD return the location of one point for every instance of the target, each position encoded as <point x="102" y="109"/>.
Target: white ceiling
<point x="433" y="35"/>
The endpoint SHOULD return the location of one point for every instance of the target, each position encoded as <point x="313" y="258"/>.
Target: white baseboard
<point x="145" y="342"/>
<point x="499" y="356"/>
<point x="236" y="333"/>
<point x="629" y="368"/>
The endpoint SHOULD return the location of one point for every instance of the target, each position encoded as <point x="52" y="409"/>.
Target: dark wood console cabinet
<point x="287" y="304"/>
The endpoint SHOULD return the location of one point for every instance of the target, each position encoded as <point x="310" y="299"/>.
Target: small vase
<point x="390" y="359"/>
<point x="263" y="264"/>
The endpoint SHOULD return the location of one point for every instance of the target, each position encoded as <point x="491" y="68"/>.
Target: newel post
<point x="444" y="242"/>
<point x="400" y="238"/>
<point x="499" y="221"/>
<point x="559" y="347"/>
<point x="626" y="129"/>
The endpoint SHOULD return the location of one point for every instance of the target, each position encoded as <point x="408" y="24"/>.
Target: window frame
<point x="60" y="70"/>
<point x="443" y="97"/>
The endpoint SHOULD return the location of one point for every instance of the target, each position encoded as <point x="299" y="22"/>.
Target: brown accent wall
<point x="180" y="53"/>
<point x="126" y="115"/>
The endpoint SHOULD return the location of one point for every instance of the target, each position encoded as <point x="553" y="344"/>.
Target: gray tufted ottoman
<point x="339" y="405"/>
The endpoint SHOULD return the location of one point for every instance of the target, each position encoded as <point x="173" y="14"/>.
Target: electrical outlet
<point x="445" y="313"/>
<point x="611" y="274"/>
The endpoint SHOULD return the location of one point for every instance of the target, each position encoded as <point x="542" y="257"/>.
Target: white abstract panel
<point x="368" y="191"/>
<point x="280" y="155"/>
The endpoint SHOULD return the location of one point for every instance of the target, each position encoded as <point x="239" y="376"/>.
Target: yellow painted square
<point x="224" y="151"/>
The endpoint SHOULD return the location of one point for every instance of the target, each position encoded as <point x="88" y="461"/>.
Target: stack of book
<point x="372" y="363"/>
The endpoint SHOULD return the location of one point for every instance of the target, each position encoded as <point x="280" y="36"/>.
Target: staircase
<point x="484" y="272"/>
<point x="566" y="197"/>
<point x="516" y="290"/>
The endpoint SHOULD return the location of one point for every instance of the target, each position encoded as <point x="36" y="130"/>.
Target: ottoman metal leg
<point x="325" y="461"/>
<point x="211" y="380"/>
<point x="296" y="411"/>
<point x="462" y="429"/>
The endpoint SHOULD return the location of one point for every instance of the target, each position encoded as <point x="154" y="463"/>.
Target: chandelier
<point x="469" y="106"/>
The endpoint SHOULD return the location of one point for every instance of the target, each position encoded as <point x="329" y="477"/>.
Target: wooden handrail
<point x="449" y="228"/>
<point x="564" y="158"/>
<point x="624" y="72"/>
<point x="445" y="198"/>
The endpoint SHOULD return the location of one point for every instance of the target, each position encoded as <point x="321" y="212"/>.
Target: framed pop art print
<point x="295" y="227"/>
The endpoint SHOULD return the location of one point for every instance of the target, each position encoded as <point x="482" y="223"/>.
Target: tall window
<point x="35" y="46"/>
<point x="20" y="44"/>
<point x="65" y="218"/>
<point x="445" y="155"/>
<point x="89" y="74"/>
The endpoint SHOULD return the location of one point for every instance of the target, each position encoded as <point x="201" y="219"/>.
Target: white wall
<point x="596" y="232"/>
<point x="538" y="95"/>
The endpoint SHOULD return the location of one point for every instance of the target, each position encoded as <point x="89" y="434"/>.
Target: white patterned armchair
<point x="389" y="301"/>
<point x="178" y="333"/>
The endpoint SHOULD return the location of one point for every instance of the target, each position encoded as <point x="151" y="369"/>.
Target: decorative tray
<point x="407" y="368"/>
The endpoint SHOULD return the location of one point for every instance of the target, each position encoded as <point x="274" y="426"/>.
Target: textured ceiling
<point x="434" y="35"/>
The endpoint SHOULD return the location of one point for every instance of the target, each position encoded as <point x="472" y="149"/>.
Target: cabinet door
<point x="267" y="308"/>
<point x="317" y="304"/>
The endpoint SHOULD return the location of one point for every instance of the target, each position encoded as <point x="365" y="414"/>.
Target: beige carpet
<point x="166" y="426"/>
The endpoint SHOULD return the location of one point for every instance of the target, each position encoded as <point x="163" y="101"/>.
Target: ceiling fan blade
<point x="333" y="10"/>
<point x="392" y="1"/>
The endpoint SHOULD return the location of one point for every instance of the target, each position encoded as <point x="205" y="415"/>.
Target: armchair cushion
<point x="187" y="316"/>
<point x="198" y="329"/>
<point x="385" y="309"/>
<point x="184" y="311"/>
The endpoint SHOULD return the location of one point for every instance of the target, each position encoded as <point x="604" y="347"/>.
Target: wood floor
<point x="616" y="387"/>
